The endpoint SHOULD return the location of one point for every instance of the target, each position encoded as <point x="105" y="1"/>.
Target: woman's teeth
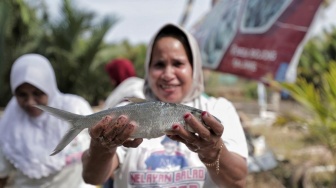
<point x="167" y="86"/>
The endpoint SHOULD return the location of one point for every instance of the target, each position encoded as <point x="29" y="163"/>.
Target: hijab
<point x="28" y="141"/>
<point x="197" y="87"/>
<point x="120" y="69"/>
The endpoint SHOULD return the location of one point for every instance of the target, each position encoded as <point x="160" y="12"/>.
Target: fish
<point x="153" y="118"/>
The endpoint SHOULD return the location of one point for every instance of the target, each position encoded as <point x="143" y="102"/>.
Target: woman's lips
<point x="168" y="88"/>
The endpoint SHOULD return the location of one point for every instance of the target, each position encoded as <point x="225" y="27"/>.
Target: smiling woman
<point x="170" y="69"/>
<point x="173" y="74"/>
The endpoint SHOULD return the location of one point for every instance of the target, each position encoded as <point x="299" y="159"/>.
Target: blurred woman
<point x="28" y="135"/>
<point x="127" y="84"/>
<point x="216" y="156"/>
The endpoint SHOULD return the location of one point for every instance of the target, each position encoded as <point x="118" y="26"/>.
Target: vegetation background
<point x="302" y="137"/>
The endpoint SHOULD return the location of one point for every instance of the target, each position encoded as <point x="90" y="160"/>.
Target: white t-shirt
<point x="162" y="162"/>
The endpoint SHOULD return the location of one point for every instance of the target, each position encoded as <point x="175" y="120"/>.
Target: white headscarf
<point x="197" y="87"/>
<point x="28" y="141"/>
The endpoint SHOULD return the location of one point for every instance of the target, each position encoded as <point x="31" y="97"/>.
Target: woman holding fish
<point x="210" y="151"/>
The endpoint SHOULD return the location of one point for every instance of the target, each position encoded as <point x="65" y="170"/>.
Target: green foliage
<point x="316" y="56"/>
<point x="251" y="90"/>
<point x="321" y="103"/>
<point x="316" y="87"/>
<point x="19" y="34"/>
<point x="73" y="43"/>
<point x="136" y="54"/>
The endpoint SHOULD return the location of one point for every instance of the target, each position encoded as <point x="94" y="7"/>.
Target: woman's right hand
<point x="100" y="160"/>
<point x="111" y="133"/>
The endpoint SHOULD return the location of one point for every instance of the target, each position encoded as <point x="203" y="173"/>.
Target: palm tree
<point x="321" y="102"/>
<point x="317" y="54"/>
<point x="73" y="43"/>
<point x="19" y="34"/>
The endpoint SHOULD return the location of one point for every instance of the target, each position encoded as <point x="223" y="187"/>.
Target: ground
<point x="298" y="157"/>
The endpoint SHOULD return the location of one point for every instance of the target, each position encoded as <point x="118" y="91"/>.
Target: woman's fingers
<point x="183" y="135"/>
<point x="115" y="128"/>
<point x="133" y="143"/>
<point x="214" y="125"/>
<point x="111" y="132"/>
<point x="123" y="134"/>
<point x="197" y="126"/>
<point x="97" y="130"/>
<point x="204" y="138"/>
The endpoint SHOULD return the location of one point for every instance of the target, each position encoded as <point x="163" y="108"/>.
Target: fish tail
<point x="71" y="118"/>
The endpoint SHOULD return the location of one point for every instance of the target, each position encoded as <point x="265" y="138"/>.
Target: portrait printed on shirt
<point x="167" y="165"/>
<point x="167" y="159"/>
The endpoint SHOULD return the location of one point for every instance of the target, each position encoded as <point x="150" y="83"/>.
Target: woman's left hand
<point x="206" y="141"/>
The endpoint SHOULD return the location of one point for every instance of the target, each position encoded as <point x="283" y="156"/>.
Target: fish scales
<point x="153" y="118"/>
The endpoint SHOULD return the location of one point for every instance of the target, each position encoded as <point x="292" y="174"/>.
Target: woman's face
<point x="170" y="72"/>
<point x="28" y="95"/>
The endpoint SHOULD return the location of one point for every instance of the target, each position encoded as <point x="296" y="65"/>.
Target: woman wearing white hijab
<point x="214" y="157"/>
<point x="28" y="135"/>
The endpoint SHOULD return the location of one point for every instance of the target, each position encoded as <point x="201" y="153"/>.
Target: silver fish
<point x="153" y="118"/>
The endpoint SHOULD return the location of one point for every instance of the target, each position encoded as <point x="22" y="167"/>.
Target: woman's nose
<point x="30" y="100"/>
<point x="168" y="74"/>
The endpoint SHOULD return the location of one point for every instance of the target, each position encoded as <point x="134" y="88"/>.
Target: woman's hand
<point x="100" y="160"/>
<point x="111" y="133"/>
<point x="206" y="141"/>
<point x="225" y="168"/>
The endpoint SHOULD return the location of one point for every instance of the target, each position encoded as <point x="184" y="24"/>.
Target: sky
<point x="139" y="19"/>
<point x="325" y="19"/>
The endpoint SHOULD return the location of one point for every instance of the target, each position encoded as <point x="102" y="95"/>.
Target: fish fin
<point x="67" y="138"/>
<point x="135" y="99"/>
<point x="68" y="116"/>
